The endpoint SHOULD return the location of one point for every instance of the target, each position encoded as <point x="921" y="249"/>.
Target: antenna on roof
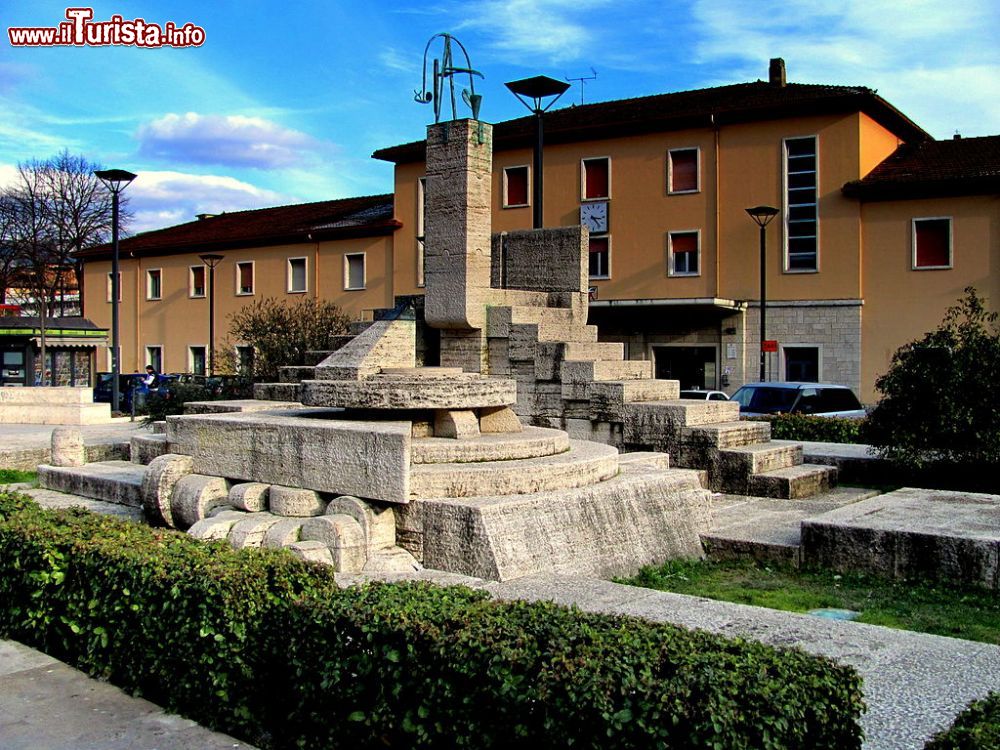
<point x="583" y="82"/>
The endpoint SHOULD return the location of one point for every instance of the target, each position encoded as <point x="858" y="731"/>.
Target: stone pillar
<point x="457" y="224"/>
<point x="67" y="447"/>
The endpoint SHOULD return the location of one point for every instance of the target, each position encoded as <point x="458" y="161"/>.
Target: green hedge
<point x="976" y="728"/>
<point x="266" y="648"/>
<point x="806" y="427"/>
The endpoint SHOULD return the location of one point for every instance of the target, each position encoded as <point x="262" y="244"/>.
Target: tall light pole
<point x="211" y="261"/>
<point x="762" y="216"/>
<point x="115" y="180"/>
<point x="536" y="89"/>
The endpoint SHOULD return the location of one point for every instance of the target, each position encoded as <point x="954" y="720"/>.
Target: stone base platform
<point x="43" y="405"/>
<point x="940" y="534"/>
<point x="112" y="481"/>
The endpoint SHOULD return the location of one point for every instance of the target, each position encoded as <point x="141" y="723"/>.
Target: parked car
<point x="129" y="386"/>
<point x="817" y="399"/>
<point x="704" y="395"/>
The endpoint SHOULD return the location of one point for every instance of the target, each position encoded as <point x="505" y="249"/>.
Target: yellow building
<point x="880" y="228"/>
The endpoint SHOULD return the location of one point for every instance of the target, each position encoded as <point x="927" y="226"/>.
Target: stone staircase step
<point x="549" y="355"/>
<point x="112" y="481"/>
<point x="587" y="371"/>
<point x="278" y="391"/>
<point x="532" y="442"/>
<point x="583" y="464"/>
<point x="296" y="373"/>
<point x="608" y="398"/>
<point x="144" y="448"/>
<point x="763" y="457"/>
<point x="644" y="459"/>
<point x="794" y="482"/>
<point x="499" y="319"/>
<point x="727" y="434"/>
<point x="232" y="406"/>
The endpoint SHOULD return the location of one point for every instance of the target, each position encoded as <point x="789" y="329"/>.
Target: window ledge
<point x="932" y="268"/>
<point x="800" y="270"/>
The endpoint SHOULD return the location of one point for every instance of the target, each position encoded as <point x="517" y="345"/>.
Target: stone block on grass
<point x="158" y="485"/>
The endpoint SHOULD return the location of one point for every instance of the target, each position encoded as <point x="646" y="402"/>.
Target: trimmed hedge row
<point x="976" y="728"/>
<point x="264" y="647"/>
<point x="807" y="427"/>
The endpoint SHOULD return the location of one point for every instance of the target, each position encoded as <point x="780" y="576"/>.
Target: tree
<point x="280" y="334"/>
<point x="939" y="403"/>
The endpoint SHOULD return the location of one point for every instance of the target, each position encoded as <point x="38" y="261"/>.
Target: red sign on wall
<point x="769" y="345"/>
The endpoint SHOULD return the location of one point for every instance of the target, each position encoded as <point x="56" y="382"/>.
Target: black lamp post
<point x="115" y="180"/>
<point x="211" y="261"/>
<point x="536" y="89"/>
<point x="762" y="216"/>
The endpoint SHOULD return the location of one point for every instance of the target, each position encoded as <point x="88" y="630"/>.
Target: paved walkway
<point x="24" y="446"/>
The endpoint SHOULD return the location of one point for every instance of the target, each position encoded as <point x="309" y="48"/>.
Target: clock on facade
<point x="594" y="216"/>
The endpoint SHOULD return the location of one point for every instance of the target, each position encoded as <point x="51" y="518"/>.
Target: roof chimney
<point x="202" y="217"/>
<point x="776" y="72"/>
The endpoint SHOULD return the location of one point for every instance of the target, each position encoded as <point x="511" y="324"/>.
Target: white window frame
<point x="190" y="363"/>
<point x="347" y="272"/>
<point x="527" y="189"/>
<point x="149" y="360"/>
<point x="419" y="227"/>
<point x="239" y="358"/>
<point x="783" y="361"/>
<point x="599" y="237"/>
<point x="149" y="284"/>
<point x="583" y="181"/>
<point x="119" y="286"/>
<point x="191" y="270"/>
<point x="253" y="277"/>
<point x="671" y="270"/>
<point x="785" y="203"/>
<point x="305" y="274"/>
<point x="913" y="243"/>
<point x="697" y="170"/>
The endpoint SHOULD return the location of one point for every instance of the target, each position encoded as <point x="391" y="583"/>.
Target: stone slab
<point x="608" y="529"/>
<point x="367" y="459"/>
<point x="458" y="392"/>
<point x="237" y="405"/>
<point x="63" y="405"/>
<point x="911" y="532"/>
<point x="531" y="442"/>
<point x="112" y="481"/>
<point x="53" y="499"/>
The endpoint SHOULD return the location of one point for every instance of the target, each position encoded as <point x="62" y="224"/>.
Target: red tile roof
<point x="962" y="166"/>
<point x="306" y="222"/>
<point x="743" y="102"/>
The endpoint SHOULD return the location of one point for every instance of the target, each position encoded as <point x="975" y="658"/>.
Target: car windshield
<point x="764" y="399"/>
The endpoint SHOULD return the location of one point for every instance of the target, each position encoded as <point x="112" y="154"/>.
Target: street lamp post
<point x="536" y="89"/>
<point x="115" y="180"/>
<point x="762" y="216"/>
<point x="211" y="261"/>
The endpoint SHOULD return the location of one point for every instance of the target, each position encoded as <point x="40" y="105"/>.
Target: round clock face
<point x="594" y="216"/>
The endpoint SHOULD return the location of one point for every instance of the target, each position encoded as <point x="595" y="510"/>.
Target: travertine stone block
<point x="499" y="420"/>
<point x="144" y="448"/>
<point x="286" y="531"/>
<point x="456" y="423"/>
<point x="295" y="502"/>
<point x="544" y="260"/>
<point x="158" y="485"/>
<point x="67" y="447"/>
<point x="250" y="531"/>
<point x="314" y="552"/>
<point x="377" y="523"/>
<point x="386" y="343"/>
<point x="195" y="495"/>
<point x="391" y="560"/>
<point x="345" y="538"/>
<point x="209" y="529"/>
<point x="249" y="496"/>
<point x="380" y="392"/>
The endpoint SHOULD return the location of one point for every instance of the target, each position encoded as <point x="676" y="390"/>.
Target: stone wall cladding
<point x="542" y="260"/>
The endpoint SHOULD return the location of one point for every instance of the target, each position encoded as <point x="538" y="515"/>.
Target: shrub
<point x="806" y="427"/>
<point x="976" y="728"/>
<point x="257" y="644"/>
<point x="939" y="400"/>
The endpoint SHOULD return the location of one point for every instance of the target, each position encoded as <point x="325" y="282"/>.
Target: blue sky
<point x="284" y="102"/>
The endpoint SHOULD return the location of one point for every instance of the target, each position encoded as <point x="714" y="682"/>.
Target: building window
<point x="154" y="357"/>
<point x="196" y="359"/>
<point x="244" y="277"/>
<point x="154" y="284"/>
<point x="421" y="207"/>
<point x="801" y="205"/>
<point x="515" y="187"/>
<point x="595" y="176"/>
<point x="600" y="257"/>
<point x="244" y="356"/>
<point x="932" y="243"/>
<point x="119" y="286"/>
<point x="684" y="250"/>
<point x="354" y="271"/>
<point x="296" y="275"/>
<point x="801" y="364"/>
<point x="682" y="170"/>
<point x="196" y="281"/>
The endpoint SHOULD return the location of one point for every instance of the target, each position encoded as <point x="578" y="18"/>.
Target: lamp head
<point x="762" y="215"/>
<point x="115" y="180"/>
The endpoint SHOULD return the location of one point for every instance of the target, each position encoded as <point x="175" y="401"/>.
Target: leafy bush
<point x="976" y="728"/>
<point x="280" y="334"/>
<point x="257" y="644"/>
<point x="807" y="427"/>
<point x="939" y="401"/>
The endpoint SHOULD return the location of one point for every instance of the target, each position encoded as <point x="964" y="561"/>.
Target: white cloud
<point x="160" y="199"/>
<point x="232" y="140"/>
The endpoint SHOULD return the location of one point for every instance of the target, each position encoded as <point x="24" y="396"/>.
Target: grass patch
<point x="12" y="476"/>
<point x="938" y="608"/>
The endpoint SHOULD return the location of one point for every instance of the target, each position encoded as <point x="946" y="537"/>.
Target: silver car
<point x="817" y="399"/>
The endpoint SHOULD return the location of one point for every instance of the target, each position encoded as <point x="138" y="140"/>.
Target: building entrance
<point x="693" y="366"/>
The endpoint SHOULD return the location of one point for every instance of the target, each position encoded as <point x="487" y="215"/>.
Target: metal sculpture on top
<point x="444" y="68"/>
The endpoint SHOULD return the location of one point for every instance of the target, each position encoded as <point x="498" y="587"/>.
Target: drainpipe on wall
<point x="718" y="209"/>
